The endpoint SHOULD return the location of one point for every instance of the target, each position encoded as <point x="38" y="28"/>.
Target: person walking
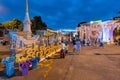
<point x="62" y="53"/>
<point x="74" y="45"/>
<point x="78" y="46"/>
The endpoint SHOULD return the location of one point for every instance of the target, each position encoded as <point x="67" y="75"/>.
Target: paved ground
<point x="90" y="64"/>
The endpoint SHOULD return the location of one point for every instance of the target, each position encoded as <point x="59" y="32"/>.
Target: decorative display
<point x="9" y="64"/>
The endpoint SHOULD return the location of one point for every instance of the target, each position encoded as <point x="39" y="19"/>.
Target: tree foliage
<point x="116" y="18"/>
<point x="16" y="23"/>
<point x="8" y="24"/>
<point x="38" y="24"/>
<point x="81" y="23"/>
<point x="118" y="12"/>
<point x="0" y="24"/>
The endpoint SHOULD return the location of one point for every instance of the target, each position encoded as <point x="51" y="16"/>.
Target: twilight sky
<point x="60" y="14"/>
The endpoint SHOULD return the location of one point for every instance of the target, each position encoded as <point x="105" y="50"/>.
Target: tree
<point x="116" y="18"/>
<point x="118" y="12"/>
<point x="8" y="24"/>
<point x="38" y="24"/>
<point x="17" y="24"/>
<point x="0" y="24"/>
<point x="81" y="23"/>
<point x="14" y="24"/>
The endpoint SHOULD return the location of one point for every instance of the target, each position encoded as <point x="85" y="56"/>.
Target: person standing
<point x="74" y="45"/>
<point x="78" y="46"/>
<point x="119" y="41"/>
<point x="62" y="53"/>
<point x="101" y="42"/>
<point x="66" y="49"/>
<point x="88" y="42"/>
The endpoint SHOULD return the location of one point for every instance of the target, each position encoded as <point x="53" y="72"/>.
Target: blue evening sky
<point x="60" y="14"/>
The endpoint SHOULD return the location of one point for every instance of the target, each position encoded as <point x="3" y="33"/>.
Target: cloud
<point x="62" y="14"/>
<point x="3" y="10"/>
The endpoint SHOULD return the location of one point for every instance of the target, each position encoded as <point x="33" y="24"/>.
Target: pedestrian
<point x="62" y="53"/>
<point x="101" y="42"/>
<point x="74" y="45"/>
<point x="95" y="42"/>
<point x="66" y="49"/>
<point x="88" y="42"/>
<point x="115" y="41"/>
<point x="78" y="46"/>
<point x="119" y="41"/>
<point x="83" y="42"/>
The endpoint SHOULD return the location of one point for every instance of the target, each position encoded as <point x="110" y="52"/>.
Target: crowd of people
<point x="65" y="46"/>
<point x="76" y="45"/>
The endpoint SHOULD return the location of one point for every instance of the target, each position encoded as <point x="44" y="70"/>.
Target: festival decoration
<point x="9" y="64"/>
<point x="99" y="30"/>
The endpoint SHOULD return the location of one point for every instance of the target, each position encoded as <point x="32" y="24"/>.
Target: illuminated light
<point x="108" y="43"/>
<point x="91" y="22"/>
<point x="105" y="35"/>
<point x="97" y="21"/>
<point x="112" y="42"/>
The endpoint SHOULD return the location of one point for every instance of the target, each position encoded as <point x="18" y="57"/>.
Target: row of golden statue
<point x="29" y="57"/>
<point x="42" y="52"/>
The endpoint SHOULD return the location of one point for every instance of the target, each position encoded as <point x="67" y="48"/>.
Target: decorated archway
<point x="99" y="30"/>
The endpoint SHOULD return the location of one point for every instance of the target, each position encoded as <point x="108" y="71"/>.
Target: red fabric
<point x="62" y="54"/>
